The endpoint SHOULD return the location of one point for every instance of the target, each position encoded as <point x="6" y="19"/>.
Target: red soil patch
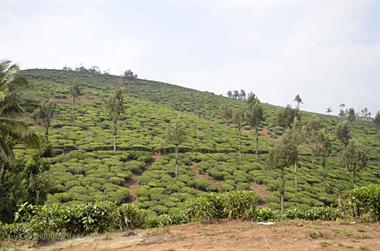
<point x="195" y="169"/>
<point x="132" y="182"/>
<point x="234" y="235"/>
<point x="261" y="190"/>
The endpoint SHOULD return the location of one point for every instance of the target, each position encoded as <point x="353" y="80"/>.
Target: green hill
<point x="84" y="167"/>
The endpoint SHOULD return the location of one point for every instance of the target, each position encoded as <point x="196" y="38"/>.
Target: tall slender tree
<point x="351" y="116"/>
<point x="343" y="132"/>
<point x="295" y="136"/>
<point x="298" y="100"/>
<point x="255" y="118"/>
<point x="324" y="150"/>
<point x="75" y="91"/>
<point x="354" y="159"/>
<point x="176" y="136"/>
<point x="238" y="119"/>
<point x="376" y="120"/>
<point x="280" y="157"/>
<point x="44" y="115"/>
<point x="312" y="130"/>
<point x="115" y="106"/>
<point x="226" y="112"/>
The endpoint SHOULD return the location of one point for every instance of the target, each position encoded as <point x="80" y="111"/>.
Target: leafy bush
<point x="315" y="213"/>
<point x="266" y="214"/>
<point x="231" y="205"/>
<point x="363" y="202"/>
<point x="59" y="221"/>
<point x="207" y="207"/>
<point x="240" y="205"/>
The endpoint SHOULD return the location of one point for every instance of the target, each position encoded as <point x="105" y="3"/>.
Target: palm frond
<point x="18" y="131"/>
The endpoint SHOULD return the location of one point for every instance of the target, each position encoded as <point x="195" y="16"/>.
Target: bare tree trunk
<point x="239" y="146"/>
<point x="282" y="204"/>
<point x="47" y="133"/>
<point x="324" y="174"/>
<point x="228" y="132"/>
<point x="176" y="161"/>
<point x="197" y="129"/>
<point x="282" y="192"/>
<point x="257" y="141"/>
<point x="1" y="173"/>
<point x="295" y="176"/>
<point x="114" y="135"/>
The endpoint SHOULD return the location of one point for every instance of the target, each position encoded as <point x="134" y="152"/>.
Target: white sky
<point x="327" y="51"/>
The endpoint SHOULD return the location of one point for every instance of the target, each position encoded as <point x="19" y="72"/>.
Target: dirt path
<point x="234" y="235"/>
<point x="196" y="171"/>
<point x="261" y="190"/>
<point x="132" y="182"/>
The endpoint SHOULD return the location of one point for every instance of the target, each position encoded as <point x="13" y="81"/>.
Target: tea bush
<point x="314" y="213"/>
<point x="363" y="202"/>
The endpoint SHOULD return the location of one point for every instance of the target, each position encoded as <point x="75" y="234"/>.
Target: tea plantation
<point x="84" y="167"/>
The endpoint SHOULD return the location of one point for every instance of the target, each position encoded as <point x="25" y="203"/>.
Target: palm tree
<point x="44" y="115"/>
<point x="115" y="106"/>
<point x="11" y="128"/>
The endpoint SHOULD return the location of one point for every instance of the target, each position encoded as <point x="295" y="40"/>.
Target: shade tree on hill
<point x="354" y="159"/>
<point x="74" y="91"/>
<point x="286" y="116"/>
<point x="343" y="132"/>
<point x="312" y="131"/>
<point x="323" y="150"/>
<point x="255" y="116"/>
<point x="115" y="107"/>
<point x="351" y="116"/>
<point x="298" y="100"/>
<point x="236" y="94"/>
<point x="176" y="135"/>
<point x="376" y="120"/>
<point x="128" y="74"/>
<point x="226" y="112"/>
<point x="282" y="156"/>
<point x="44" y="116"/>
<point x="238" y="120"/>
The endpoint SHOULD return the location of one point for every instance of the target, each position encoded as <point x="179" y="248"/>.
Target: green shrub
<point x="266" y="214"/>
<point x="231" y="205"/>
<point x="240" y="205"/>
<point x="314" y="213"/>
<point x="131" y="216"/>
<point x="363" y="202"/>
<point x="207" y="207"/>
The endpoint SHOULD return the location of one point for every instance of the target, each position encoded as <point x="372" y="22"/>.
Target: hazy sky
<point x="327" y="51"/>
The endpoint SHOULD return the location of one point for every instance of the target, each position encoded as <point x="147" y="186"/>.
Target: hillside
<point x="84" y="168"/>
